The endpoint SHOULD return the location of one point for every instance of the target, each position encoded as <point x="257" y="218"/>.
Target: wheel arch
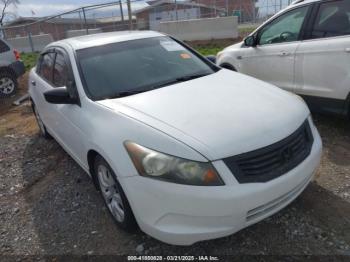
<point x="8" y="70"/>
<point x="347" y="106"/>
<point x="91" y="156"/>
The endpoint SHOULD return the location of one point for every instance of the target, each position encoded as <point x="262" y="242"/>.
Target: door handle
<point x="284" y="53"/>
<point x="33" y="83"/>
<point x="347" y="49"/>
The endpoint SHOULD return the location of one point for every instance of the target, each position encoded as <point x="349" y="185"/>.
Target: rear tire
<point x="114" y="196"/>
<point x="8" y="84"/>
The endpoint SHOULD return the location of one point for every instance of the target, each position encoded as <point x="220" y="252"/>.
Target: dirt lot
<point x="48" y="205"/>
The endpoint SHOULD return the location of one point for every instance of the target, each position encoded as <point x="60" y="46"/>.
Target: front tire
<point x="114" y="196"/>
<point x="8" y="84"/>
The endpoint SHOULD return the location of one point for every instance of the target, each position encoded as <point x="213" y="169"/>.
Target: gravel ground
<point x="48" y="205"/>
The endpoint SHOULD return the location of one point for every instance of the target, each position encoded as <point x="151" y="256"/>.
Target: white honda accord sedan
<point x="178" y="147"/>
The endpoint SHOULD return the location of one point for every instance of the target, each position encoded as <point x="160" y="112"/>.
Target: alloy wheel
<point x="111" y="193"/>
<point x="7" y="86"/>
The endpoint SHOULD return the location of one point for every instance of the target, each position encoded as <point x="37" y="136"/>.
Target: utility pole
<point x="130" y="15"/>
<point x="121" y="10"/>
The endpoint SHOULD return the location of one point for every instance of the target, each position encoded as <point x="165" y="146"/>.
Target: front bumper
<point x="182" y="215"/>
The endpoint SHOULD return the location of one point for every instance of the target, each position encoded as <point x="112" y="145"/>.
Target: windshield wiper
<point x="191" y="77"/>
<point x="178" y="80"/>
<point x="174" y="81"/>
<point x="126" y="93"/>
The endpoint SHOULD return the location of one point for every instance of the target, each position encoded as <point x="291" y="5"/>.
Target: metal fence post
<point x="81" y="21"/>
<point x="3" y="32"/>
<point x="254" y="11"/>
<point x="86" y="25"/>
<point x="30" y="39"/>
<point x="130" y="15"/>
<point x="176" y="14"/>
<point x="121" y="10"/>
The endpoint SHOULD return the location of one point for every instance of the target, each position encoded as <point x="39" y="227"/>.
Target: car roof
<point x="86" y="41"/>
<point x="303" y="2"/>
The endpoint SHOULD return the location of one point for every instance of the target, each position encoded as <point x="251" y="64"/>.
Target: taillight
<point x="17" y="54"/>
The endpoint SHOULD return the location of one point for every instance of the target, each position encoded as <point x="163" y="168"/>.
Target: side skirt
<point x="328" y="105"/>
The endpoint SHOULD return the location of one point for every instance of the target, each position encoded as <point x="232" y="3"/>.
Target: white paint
<point x="205" y="119"/>
<point x="316" y="67"/>
<point x="202" y="29"/>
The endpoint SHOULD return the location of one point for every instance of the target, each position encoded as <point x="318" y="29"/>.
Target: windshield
<point x="131" y="67"/>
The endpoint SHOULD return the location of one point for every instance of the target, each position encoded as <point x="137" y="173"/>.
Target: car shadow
<point x="68" y="213"/>
<point x="335" y="133"/>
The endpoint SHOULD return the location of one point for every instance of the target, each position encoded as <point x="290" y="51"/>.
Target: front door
<point x="42" y="84"/>
<point x="273" y="59"/>
<point x="68" y="117"/>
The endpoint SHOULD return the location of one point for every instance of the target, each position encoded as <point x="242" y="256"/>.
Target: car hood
<point x="220" y="115"/>
<point x="234" y="47"/>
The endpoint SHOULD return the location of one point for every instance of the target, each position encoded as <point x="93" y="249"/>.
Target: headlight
<point x="150" y="163"/>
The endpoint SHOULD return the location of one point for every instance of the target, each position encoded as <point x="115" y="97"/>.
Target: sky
<point x="52" y="7"/>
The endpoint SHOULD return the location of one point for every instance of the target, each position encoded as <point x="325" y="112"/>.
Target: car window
<point x="285" y="28"/>
<point x="60" y="71"/>
<point x="46" y="66"/>
<point x="333" y="19"/>
<point x="137" y="65"/>
<point x="4" y="47"/>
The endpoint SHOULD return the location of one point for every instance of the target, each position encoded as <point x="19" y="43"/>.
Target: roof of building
<point x="56" y="20"/>
<point x="155" y="3"/>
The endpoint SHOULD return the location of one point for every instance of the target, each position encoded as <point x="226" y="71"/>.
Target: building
<point x="245" y="9"/>
<point x="59" y="28"/>
<point x="159" y="11"/>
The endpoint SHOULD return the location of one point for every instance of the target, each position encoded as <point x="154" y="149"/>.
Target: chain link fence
<point x="32" y="34"/>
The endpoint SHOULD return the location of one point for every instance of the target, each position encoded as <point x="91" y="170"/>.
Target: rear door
<point x="323" y="59"/>
<point x="272" y="60"/>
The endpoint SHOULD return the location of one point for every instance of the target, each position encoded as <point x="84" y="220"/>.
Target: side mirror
<point x="211" y="58"/>
<point x="59" y="95"/>
<point x="250" y="41"/>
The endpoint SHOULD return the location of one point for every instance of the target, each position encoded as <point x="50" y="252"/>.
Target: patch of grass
<point x="209" y="50"/>
<point x="212" y="47"/>
<point x="29" y="60"/>
<point x="246" y="30"/>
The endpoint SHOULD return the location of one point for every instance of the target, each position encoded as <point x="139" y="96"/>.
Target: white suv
<point x="305" y="49"/>
<point x="184" y="149"/>
<point x="11" y="67"/>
